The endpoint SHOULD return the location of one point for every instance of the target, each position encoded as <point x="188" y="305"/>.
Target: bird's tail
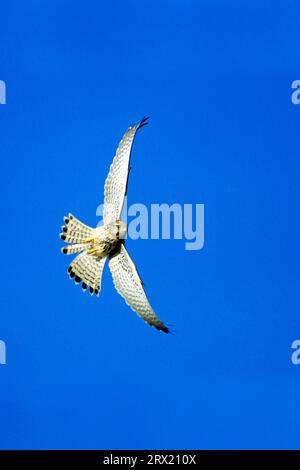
<point x="76" y="233"/>
<point x="87" y="269"/>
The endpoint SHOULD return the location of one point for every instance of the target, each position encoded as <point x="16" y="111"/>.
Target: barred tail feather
<point x="88" y="270"/>
<point x="72" y="249"/>
<point x="75" y="231"/>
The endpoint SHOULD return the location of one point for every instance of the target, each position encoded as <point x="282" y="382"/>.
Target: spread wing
<point x="116" y="182"/>
<point x="129" y="285"/>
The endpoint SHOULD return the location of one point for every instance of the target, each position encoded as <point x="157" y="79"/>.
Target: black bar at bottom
<point x="133" y="458"/>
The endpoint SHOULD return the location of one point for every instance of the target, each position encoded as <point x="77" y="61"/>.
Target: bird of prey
<point x="94" y="245"/>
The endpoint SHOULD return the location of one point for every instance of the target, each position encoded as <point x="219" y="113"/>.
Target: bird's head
<point x="122" y="229"/>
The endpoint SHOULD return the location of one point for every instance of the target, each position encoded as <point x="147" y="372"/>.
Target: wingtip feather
<point x="143" y="122"/>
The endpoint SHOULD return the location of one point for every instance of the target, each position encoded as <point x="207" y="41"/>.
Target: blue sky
<point x="215" y="77"/>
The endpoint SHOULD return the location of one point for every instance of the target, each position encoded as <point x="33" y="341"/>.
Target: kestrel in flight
<point x="108" y="241"/>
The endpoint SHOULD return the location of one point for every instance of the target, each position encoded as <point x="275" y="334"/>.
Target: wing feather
<point x="116" y="182"/>
<point x="128" y="283"/>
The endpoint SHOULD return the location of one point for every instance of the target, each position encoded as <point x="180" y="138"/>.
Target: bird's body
<point x="106" y="239"/>
<point x="94" y="245"/>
